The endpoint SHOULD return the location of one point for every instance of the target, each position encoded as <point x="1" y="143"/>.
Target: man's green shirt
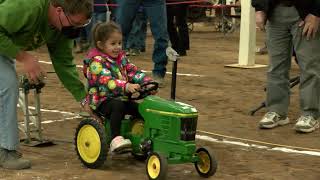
<point x="24" y="26"/>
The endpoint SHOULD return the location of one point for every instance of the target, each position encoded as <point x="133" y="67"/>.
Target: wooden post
<point x="247" y="44"/>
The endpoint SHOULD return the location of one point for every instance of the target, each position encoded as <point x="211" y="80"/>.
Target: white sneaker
<point x="273" y="119"/>
<point x="306" y="124"/>
<point x="119" y="143"/>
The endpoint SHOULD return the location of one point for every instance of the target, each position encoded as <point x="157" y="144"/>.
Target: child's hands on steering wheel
<point x="132" y="88"/>
<point x="153" y="92"/>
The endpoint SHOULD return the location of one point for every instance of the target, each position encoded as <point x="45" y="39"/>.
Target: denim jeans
<point x="9" y="133"/>
<point x="156" y="13"/>
<point x="138" y="33"/>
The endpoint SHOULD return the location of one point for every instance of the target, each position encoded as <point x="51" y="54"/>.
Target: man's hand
<point x="261" y="19"/>
<point x="311" y="26"/>
<point x="132" y="88"/>
<point x="32" y="68"/>
<point x="85" y="106"/>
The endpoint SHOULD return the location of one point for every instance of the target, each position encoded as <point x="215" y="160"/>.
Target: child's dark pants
<point x="114" y="110"/>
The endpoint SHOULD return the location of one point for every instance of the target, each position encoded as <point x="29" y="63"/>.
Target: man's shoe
<point x="272" y="119"/>
<point x="306" y="124"/>
<point x="12" y="160"/>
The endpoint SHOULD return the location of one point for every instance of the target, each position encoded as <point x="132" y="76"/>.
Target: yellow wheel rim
<point x="137" y="128"/>
<point x="204" y="164"/>
<point x="154" y="167"/>
<point x="88" y="143"/>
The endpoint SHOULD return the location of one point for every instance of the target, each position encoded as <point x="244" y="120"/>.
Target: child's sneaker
<point x="273" y="119"/>
<point x="118" y="144"/>
<point x="306" y="124"/>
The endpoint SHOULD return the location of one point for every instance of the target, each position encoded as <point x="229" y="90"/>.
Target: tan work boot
<point x="13" y="160"/>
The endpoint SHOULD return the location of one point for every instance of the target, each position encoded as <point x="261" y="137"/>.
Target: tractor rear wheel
<point x="91" y="143"/>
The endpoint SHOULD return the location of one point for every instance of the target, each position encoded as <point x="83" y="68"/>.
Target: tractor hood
<point x="162" y="106"/>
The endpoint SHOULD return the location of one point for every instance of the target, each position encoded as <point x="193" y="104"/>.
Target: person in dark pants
<point x="178" y="27"/>
<point x="291" y="23"/>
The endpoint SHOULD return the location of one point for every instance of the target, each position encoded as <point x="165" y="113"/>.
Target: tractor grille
<point x="188" y="129"/>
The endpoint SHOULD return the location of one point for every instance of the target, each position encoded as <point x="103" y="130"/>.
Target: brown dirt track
<point x="223" y="98"/>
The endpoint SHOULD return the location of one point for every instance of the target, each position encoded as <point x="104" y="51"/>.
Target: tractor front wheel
<point x="157" y="166"/>
<point x="207" y="164"/>
<point x="91" y="144"/>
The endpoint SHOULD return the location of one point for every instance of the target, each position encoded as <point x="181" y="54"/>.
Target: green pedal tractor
<point x="164" y="135"/>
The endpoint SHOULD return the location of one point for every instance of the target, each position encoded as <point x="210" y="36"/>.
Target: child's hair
<point x="102" y="31"/>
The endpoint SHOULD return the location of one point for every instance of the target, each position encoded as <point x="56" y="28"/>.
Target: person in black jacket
<point x="291" y="24"/>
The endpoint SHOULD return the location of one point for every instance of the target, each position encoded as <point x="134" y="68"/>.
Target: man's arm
<point x="15" y="18"/>
<point x="62" y="60"/>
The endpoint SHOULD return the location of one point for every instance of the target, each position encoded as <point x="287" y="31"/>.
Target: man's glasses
<point x="77" y="25"/>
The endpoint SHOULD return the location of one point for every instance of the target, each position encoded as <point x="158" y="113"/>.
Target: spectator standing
<point x="290" y="24"/>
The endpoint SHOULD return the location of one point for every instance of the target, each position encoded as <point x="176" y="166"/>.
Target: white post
<point x="247" y="44"/>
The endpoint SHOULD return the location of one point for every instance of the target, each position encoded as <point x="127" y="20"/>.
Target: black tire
<point x="82" y="142"/>
<point x="207" y="155"/>
<point x="157" y="171"/>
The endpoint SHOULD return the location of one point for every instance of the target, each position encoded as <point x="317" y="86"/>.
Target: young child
<point x="110" y="77"/>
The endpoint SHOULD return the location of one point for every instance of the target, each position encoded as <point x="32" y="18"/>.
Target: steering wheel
<point x="145" y="90"/>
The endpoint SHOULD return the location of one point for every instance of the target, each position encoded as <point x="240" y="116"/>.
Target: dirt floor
<point x="223" y="96"/>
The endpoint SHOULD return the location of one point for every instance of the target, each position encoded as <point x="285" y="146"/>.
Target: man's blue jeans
<point x="9" y="133"/>
<point x="138" y="33"/>
<point x="156" y="13"/>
